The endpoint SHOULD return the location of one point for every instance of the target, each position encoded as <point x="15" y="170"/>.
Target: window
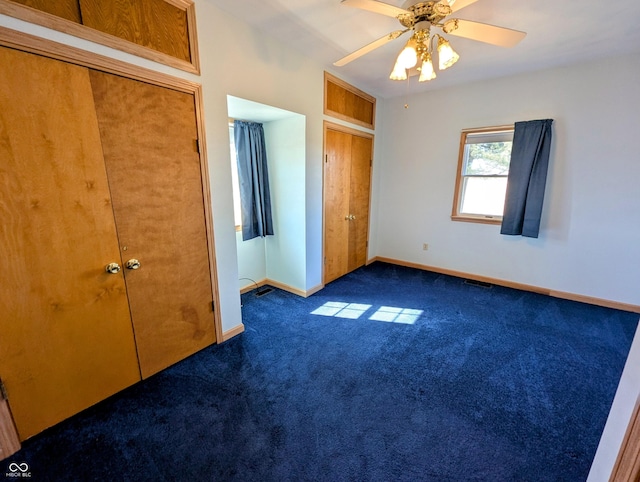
<point x="481" y="181"/>
<point x="237" y="211"/>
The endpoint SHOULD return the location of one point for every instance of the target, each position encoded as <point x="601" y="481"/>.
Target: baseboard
<point x="314" y="290"/>
<point x="511" y="284"/>
<point x="253" y="286"/>
<point x="282" y="286"/>
<point x="236" y="330"/>
<point x="285" y="287"/>
<point x="595" y="301"/>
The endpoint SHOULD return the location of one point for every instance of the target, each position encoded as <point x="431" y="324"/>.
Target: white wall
<point x="252" y="261"/>
<point x="590" y="234"/>
<point x="237" y="60"/>
<point x="285" y="252"/>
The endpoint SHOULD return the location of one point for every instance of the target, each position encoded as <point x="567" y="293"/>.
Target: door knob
<point x="132" y="264"/>
<point x="112" y="268"/>
<point x="352" y="216"/>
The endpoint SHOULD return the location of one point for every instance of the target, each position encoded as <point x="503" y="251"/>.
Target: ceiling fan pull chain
<point x="406" y="93"/>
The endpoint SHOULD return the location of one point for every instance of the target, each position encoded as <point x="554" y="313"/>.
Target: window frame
<point x="456" y="215"/>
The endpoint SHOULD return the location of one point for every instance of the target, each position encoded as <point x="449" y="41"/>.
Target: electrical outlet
<point x="425" y="246"/>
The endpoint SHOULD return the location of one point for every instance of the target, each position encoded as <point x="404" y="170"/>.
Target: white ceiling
<point x="247" y="110"/>
<point x="559" y="32"/>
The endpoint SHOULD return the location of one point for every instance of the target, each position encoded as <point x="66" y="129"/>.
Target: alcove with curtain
<point x="280" y="259"/>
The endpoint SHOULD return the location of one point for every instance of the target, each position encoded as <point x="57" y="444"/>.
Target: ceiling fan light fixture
<point x="408" y="58"/>
<point x="398" y="72"/>
<point x="426" y="71"/>
<point x="446" y="55"/>
<point x="418" y="17"/>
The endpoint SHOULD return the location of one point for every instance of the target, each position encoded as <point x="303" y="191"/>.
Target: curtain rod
<point x="231" y="119"/>
<point x="489" y="129"/>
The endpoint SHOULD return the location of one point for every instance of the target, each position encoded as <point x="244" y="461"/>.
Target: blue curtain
<point x="253" y="179"/>
<point x="527" y="178"/>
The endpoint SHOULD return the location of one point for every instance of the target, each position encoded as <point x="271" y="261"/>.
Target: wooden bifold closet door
<point x="95" y="169"/>
<point x="347" y="181"/>
<point x="149" y="138"/>
<point x="65" y="332"/>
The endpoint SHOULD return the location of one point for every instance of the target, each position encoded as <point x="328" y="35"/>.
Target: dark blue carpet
<point x="487" y="384"/>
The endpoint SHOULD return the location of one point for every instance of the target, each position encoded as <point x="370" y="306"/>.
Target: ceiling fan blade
<point x="369" y="47"/>
<point x="483" y="32"/>
<point x="377" y="7"/>
<point x="458" y="4"/>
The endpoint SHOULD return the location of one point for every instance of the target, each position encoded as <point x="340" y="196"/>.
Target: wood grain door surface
<point x="95" y="169"/>
<point x="155" y="179"/>
<point x="66" y="338"/>
<point x="359" y="195"/>
<point x="347" y="181"/>
<point x="336" y="204"/>
<point x="157" y="24"/>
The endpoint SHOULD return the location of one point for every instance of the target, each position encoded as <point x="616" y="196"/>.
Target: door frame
<point x="328" y="125"/>
<point x="627" y="466"/>
<point x="54" y="50"/>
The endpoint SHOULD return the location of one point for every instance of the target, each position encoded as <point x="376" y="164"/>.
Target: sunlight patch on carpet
<point x="392" y="314"/>
<point x="353" y="311"/>
<point x="338" y="309"/>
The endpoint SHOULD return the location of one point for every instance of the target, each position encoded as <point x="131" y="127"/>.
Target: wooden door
<point x="347" y="181"/>
<point x="66" y="337"/>
<point x="149" y="138"/>
<point x="336" y="204"/>
<point x="359" y="195"/>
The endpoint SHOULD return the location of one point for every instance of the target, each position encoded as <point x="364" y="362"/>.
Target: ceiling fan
<point x="419" y="17"/>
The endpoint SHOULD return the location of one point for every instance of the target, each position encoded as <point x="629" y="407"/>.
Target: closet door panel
<point x="149" y="140"/>
<point x="66" y="336"/>
<point x="360" y="177"/>
<point x="336" y="204"/>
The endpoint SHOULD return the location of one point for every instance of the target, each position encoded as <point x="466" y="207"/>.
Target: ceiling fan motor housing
<point x="432" y="12"/>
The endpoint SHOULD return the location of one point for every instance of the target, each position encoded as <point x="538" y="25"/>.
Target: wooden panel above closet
<point x="344" y="101"/>
<point x="67" y="9"/>
<point x="159" y="30"/>
<point x="152" y="23"/>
